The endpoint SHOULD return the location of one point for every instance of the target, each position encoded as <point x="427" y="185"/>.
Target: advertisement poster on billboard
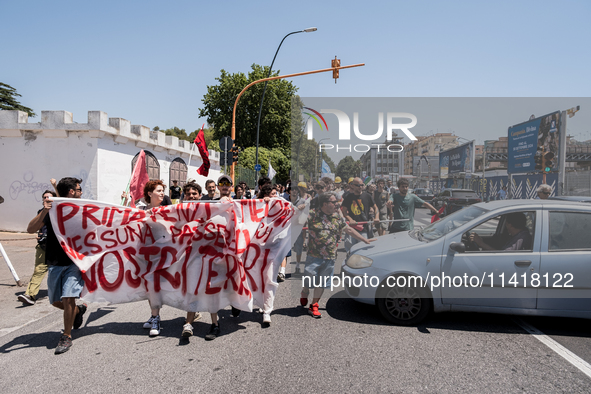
<point x="457" y="160"/>
<point x="531" y="140"/>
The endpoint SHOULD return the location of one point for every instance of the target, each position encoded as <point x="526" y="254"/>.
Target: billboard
<point x="532" y="139"/>
<point x="456" y="160"/>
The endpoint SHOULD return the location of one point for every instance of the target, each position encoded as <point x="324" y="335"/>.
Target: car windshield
<point x="449" y="223"/>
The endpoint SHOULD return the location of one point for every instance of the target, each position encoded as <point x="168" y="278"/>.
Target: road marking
<point x="569" y="356"/>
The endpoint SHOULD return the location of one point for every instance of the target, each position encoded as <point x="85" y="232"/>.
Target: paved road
<point x="350" y="349"/>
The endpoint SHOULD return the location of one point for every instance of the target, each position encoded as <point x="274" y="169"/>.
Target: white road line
<point x="569" y="356"/>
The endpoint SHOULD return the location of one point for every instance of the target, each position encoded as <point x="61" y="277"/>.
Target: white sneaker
<point x="155" y="330"/>
<point x="148" y="324"/>
<point x="187" y="330"/>
<point x="267" y="318"/>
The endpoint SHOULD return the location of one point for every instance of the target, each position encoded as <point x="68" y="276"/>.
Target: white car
<point x="438" y="268"/>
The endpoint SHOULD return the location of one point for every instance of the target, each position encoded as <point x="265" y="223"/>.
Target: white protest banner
<point x="192" y="256"/>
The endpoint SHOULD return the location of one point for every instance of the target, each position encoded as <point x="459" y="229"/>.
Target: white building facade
<point x="99" y="152"/>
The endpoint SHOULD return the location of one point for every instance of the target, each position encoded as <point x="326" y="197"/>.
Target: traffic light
<point x="539" y="158"/>
<point x="335" y="63"/>
<point x="235" y="153"/>
<point x="226" y="158"/>
<point x="548" y="161"/>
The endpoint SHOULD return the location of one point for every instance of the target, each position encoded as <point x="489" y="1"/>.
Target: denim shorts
<point x="64" y="281"/>
<point x="319" y="271"/>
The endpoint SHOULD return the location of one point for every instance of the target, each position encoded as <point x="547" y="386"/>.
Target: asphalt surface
<point x="350" y="349"/>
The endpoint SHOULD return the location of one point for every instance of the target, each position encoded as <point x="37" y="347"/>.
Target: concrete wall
<point x="99" y="152"/>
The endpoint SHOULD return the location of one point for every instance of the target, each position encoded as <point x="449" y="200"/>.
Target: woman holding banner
<point x="154" y="195"/>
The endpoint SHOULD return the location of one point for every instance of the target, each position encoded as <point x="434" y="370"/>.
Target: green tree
<point x="348" y="167"/>
<point x="8" y="100"/>
<point x="181" y="134"/>
<point x="218" y="104"/>
<point x="279" y="162"/>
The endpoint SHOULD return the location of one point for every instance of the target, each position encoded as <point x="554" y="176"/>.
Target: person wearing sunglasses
<point x="325" y="225"/>
<point x="356" y="207"/>
<point x="224" y="186"/>
<point x="64" y="279"/>
<point x="544" y="191"/>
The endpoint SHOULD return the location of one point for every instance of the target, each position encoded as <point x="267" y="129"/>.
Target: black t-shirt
<point x="166" y="201"/>
<point x="175" y="192"/>
<point x="358" y="206"/>
<point x="54" y="254"/>
<point x="207" y="198"/>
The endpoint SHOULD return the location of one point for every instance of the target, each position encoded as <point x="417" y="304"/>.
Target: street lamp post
<point x="233" y="132"/>
<point x="308" y="30"/>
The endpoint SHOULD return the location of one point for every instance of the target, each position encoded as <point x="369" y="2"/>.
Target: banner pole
<point x="10" y="267"/>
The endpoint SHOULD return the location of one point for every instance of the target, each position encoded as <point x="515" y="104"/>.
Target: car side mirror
<point x="459" y="247"/>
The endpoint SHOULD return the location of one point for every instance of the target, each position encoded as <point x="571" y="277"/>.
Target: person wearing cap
<point x="224" y="186"/>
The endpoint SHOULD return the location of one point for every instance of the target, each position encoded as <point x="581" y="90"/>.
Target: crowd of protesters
<point x="334" y="208"/>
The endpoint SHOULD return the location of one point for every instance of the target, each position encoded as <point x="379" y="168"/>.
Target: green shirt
<point x="404" y="208"/>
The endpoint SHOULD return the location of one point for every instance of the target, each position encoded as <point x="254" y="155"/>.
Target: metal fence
<point x="247" y="175"/>
<point x="577" y="183"/>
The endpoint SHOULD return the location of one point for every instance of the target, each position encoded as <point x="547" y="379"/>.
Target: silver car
<point x="439" y="268"/>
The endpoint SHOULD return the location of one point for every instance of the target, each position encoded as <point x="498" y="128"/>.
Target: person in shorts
<point x="325" y="226"/>
<point x="64" y="279"/>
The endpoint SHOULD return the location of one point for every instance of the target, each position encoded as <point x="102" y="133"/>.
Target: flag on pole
<point x="139" y="178"/>
<point x="367" y="180"/>
<point x="325" y="167"/>
<point x="271" y="172"/>
<point x="200" y="142"/>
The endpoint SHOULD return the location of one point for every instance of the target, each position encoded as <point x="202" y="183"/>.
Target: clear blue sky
<point x="151" y="61"/>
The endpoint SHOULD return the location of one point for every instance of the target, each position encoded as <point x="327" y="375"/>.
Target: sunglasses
<point x="79" y="189"/>
<point x="225" y="183"/>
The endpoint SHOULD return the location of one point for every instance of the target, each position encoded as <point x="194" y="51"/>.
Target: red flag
<point x="139" y="178"/>
<point x="200" y="141"/>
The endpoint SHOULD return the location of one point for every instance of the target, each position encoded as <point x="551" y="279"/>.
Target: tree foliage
<point x="348" y="168"/>
<point x="218" y="104"/>
<point x="8" y="100"/>
<point x="279" y="162"/>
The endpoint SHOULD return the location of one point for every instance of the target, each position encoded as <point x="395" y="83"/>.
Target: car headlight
<point x="358" y="261"/>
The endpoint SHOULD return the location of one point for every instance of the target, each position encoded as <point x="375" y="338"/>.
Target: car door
<point x="565" y="268"/>
<point x="492" y="278"/>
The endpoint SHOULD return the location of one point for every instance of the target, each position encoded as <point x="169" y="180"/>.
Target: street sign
<point x="257" y="167"/>
<point x="226" y="143"/>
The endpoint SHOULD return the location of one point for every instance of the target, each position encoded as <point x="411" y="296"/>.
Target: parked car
<point x="425" y="194"/>
<point x="571" y="198"/>
<point x="550" y="278"/>
<point x="455" y="199"/>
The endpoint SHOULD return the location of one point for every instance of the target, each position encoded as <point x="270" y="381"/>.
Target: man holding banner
<point x="64" y="281"/>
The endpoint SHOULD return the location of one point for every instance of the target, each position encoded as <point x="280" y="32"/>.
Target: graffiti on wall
<point x="29" y="186"/>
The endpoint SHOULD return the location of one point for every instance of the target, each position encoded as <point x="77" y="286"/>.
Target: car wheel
<point x="403" y="306"/>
